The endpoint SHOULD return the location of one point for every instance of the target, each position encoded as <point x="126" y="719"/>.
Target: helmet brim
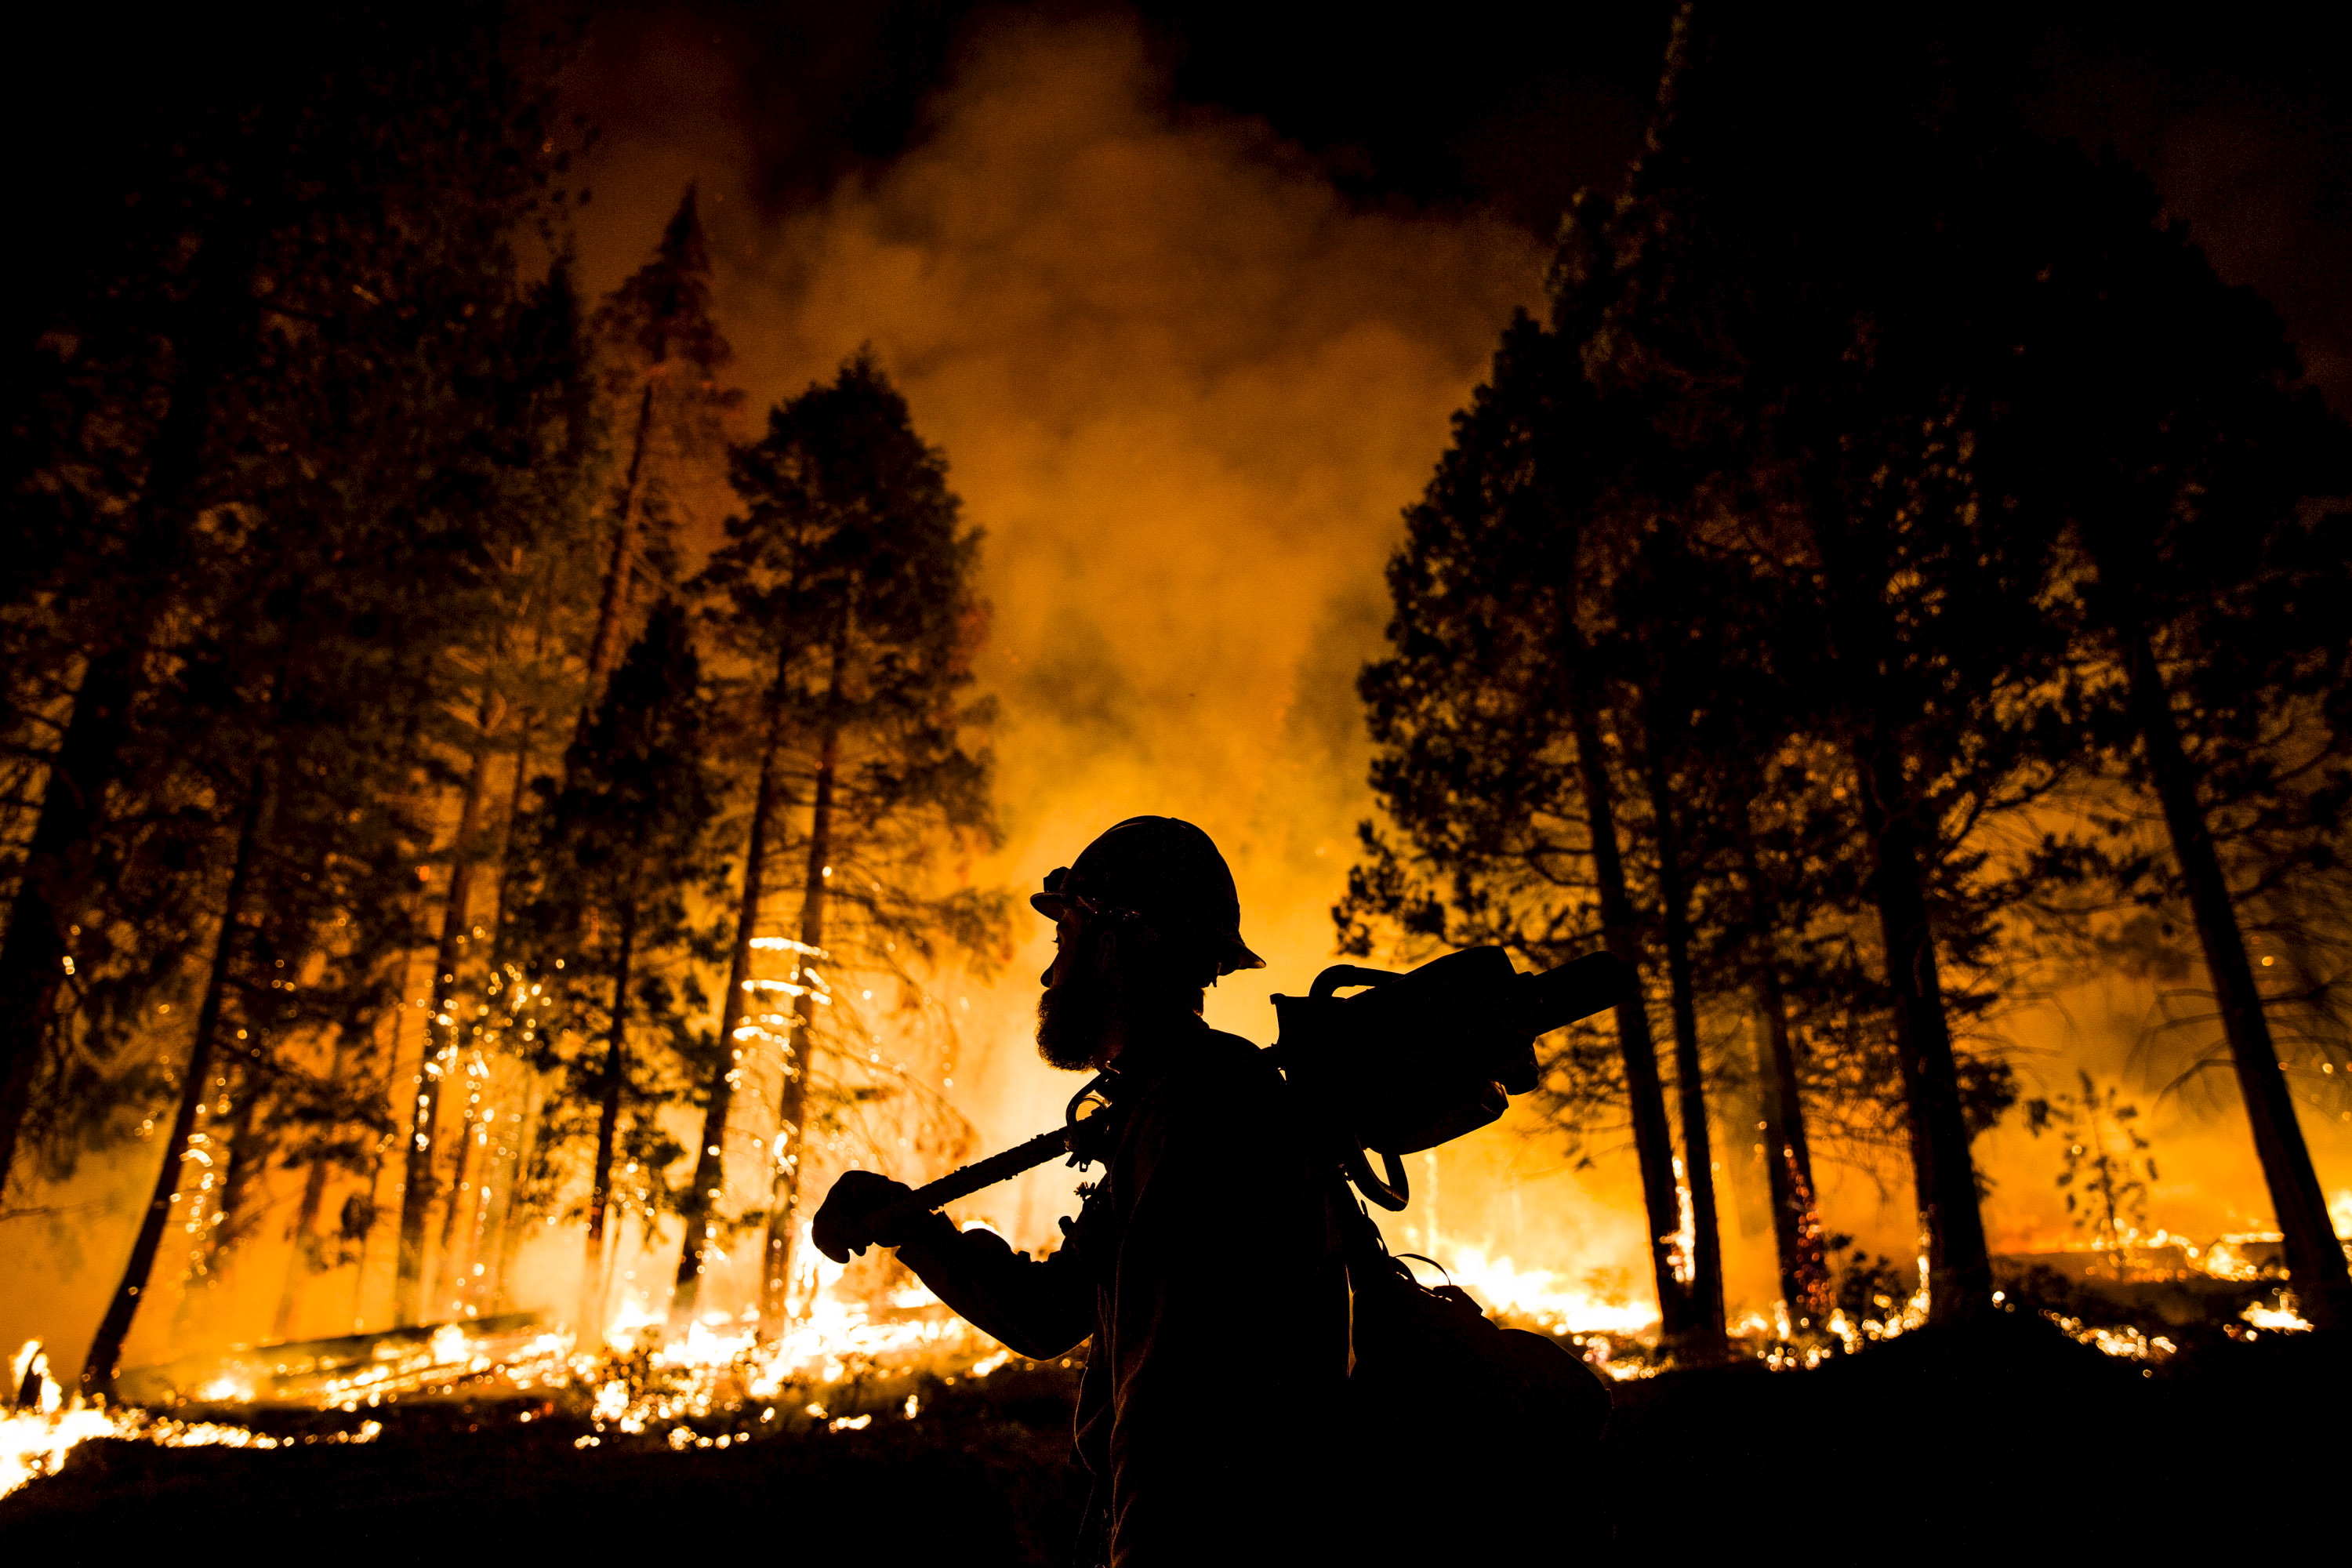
<point x="1233" y="954"/>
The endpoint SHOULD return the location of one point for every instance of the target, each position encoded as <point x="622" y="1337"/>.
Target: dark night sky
<point x="2244" y="119"/>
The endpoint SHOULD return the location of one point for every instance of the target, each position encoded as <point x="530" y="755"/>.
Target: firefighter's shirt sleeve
<point x="1037" y="1307"/>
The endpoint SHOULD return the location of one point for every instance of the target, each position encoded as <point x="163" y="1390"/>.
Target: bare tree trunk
<point x="473" y="1280"/>
<point x="709" y="1164"/>
<point x="792" y="1114"/>
<point x="440" y="1048"/>
<point x="1652" y="1143"/>
<point x="446" y="1275"/>
<point x="608" y="1125"/>
<point x="106" y="1347"/>
<point x="1960" y="1271"/>
<point x="510" y="1228"/>
<point x="2315" y="1258"/>
<point x="1703" y="1338"/>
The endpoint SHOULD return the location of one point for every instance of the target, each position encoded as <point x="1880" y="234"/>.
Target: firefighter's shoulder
<point x="1226" y="1067"/>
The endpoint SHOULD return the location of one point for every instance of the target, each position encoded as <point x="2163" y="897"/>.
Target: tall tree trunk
<point x="526" y="733"/>
<point x="106" y="1347"/>
<point x="2315" y="1258"/>
<point x="458" y="1211"/>
<point x="1959" y="1272"/>
<point x="1789" y="1162"/>
<point x="1788" y="1158"/>
<point x="1653" y="1146"/>
<point x="701" y="1203"/>
<point x="1704" y="1339"/>
<point x="608" y="1127"/>
<point x="472" y="1273"/>
<point x="439" y="1050"/>
<point x="509" y="1225"/>
<point x="498" y="1214"/>
<point x="784" y="1194"/>
<point x="604" y="647"/>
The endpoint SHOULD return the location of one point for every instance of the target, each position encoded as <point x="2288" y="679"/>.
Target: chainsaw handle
<point x="1340" y="974"/>
<point x="1392" y="1194"/>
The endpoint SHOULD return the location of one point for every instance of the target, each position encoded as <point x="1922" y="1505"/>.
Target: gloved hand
<point x="843" y="1224"/>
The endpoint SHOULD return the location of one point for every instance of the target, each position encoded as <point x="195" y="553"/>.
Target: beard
<point x="1074" y="1014"/>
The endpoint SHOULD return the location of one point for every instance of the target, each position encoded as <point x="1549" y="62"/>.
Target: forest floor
<point x="2012" y="1439"/>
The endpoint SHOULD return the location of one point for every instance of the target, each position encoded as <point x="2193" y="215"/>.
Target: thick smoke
<point x="1186" y="390"/>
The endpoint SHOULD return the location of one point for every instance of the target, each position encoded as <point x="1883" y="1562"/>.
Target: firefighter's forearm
<point x="1036" y="1307"/>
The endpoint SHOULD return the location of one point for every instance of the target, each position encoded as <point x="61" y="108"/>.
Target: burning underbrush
<point x="853" y="1352"/>
<point x="868" y="1349"/>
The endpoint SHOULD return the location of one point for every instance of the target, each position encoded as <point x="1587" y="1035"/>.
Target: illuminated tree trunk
<point x="446" y="1276"/>
<point x="440" y="1045"/>
<point x="1652" y="1143"/>
<point x="510" y="1221"/>
<point x="783" y="1204"/>
<point x="1703" y="1338"/>
<point x="608" y="1127"/>
<point x="1960" y="1271"/>
<point x="2315" y="1258"/>
<point x="472" y="1281"/>
<point x="106" y="1347"/>
<point x="709" y="1164"/>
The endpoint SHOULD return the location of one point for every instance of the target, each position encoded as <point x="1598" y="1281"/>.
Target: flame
<point x="34" y="1441"/>
<point x="1538" y="1296"/>
<point x="2281" y="1318"/>
<point x="719" y="1366"/>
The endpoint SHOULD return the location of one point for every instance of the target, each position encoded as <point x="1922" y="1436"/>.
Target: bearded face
<point x="1081" y="1002"/>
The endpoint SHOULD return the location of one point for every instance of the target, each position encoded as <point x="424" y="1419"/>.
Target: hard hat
<point x="1167" y="874"/>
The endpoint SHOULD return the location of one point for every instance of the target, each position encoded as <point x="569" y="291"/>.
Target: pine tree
<point x="1830" y="354"/>
<point x="669" y="411"/>
<point x="176" y="379"/>
<point x="2187" y="460"/>
<point x="343" y="510"/>
<point x="1497" y="761"/>
<point x="845" y="586"/>
<point x="622" y="842"/>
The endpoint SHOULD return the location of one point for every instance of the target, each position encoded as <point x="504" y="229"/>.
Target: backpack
<point x="1462" y="1432"/>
